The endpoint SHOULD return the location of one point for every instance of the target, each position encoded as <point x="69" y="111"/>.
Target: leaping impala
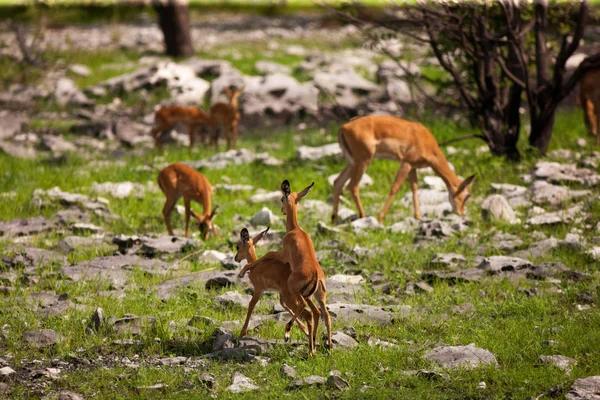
<point x="589" y="97"/>
<point x="268" y="273"/>
<point x="179" y="180"/>
<point x="226" y="117"/>
<point x="393" y="138"/>
<point x="166" y="118"/>
<point x="307" y="277"/>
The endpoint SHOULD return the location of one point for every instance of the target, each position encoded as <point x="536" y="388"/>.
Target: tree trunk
<point x="174" y="21"/>
<point x="541" y="132"/>
<point x="502" y="135"/>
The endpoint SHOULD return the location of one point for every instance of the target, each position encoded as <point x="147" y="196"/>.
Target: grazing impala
<point x="589" y="97"/>
<point x="307" y="277"/>
<point x="179" y="180"/>
<point x="268" y="273"/>
<point x="393" y="138"/>
<point x="166" y="117"/>
<point x="226" y="118"/>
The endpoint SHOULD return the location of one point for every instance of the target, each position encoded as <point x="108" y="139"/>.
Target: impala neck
<point x="291" y="222"/>
<point x="442" y="169"/>
<point x="251" y="255"/>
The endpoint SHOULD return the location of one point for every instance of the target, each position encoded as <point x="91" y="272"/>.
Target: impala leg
<point x="167" y="209"/>
<point x="400" y="177"/>
<point x="286" y="298"/>
<point x="228" y="136"/>
<point x="321" y="297"/>
<point x="338" y="187"/>
<point x="412" y="179"/>
<point x="316" y="316"/>
<point x="186" y="203"/>
<point x="357" y="173"/>
<point x="251" y="305"/>
<point x="299" y="310"/>
<point x="191" y="134"/>
<point x="235" y="134"/>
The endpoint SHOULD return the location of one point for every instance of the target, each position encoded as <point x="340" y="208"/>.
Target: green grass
<point x="511" y="325"/>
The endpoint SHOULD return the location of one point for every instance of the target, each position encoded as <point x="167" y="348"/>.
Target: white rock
<point x="595" y="253"/>
<point x="265" y="217"/>
<point x="6" y="371"/>
<point x="434" y="182"/>
<point x="496" y="207"/>
<point x="362" y="224"/>
<point x="212" y="257"/>
<point x="80" y="70"/>
<point x="347" y="279"/>
<point x="242" y="384"/>
<point x="365" y="180"/>
<point x="307" y="153"/>
<point x="269" y="197"/>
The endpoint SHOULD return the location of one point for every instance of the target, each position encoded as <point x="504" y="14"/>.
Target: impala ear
<point x="244" y="235"/>
<point x="304" y="192"/>
<point x="260" y="236"/>
<point x="214" y="212"/>
<point x="285" y="188"/>
<point x="465" y="184"/>
<point x="228" y="91"/>
<point x="239" y="91"/>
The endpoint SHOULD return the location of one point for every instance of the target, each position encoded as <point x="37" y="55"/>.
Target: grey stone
<point x="496" y="264"/>
<point x="312" y="380"/>
<point x="10" y="124"/>
<point x="337" y="382"/>
<point x="233" y="188"/>
<point x="307" y="153"/>
<point x="231" y="299"/>
<point x="212" y="257"/>
<point x="460" y="356"/>
<point x="585" y="388"/>
<point x="406" y="225"/>
<point x="234" y="157"/>
<point x="169" y="288"/>
<point x="120" y="190"/>
<point x="558" y="217"/>
<point x="17" y="150"/>
<point x="561" y="362"/>
<point x="448" y="260"/>
<point x="68" y="244"/>
<point x="6" y="372"/>
<point x="73" y="215"/>
<point x="241" y="384"/>
<point x="509" y="191"/>
<point x="57" y="144"/>
<point x="367" y="313"/>
<point x="229" y="263"/>
<point x="556" y="172"/>
<point x="31" y="257"/>
<point x="365" y="180"/>
<point x="66" y="92"/>
<point x="152" y="247"/>
<point x="208" y="381"/>
<point x="466" y="275"/>
<point x="79" y="69"/>
<point x="40" y="338"/>
<point x="505" y="241"/>
<point x="269" y="67"/>
<point x="25" y="226"/>
<point x="113" y="268"/>
<point x="496" y="208"/>
<point x="323" y="228"/>
<point x="68" y="395"/>
<point x="81" y="227"/>
<point x="288" y="371"/>
<point x="265" y="217"/>
<point x="347" y="87"/>
<point x="539" y="249"/>
<point x="270" y="197"/>
<point x="365" y="224"/>
<point x="340" y="339"/>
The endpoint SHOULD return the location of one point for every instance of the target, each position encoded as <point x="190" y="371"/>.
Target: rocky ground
<point x="97" y="301"/>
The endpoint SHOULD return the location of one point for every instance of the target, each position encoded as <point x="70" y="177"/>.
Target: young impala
<point x="393" y="138"/>
<point x="589" y="97"/>
<point x="307" y="277"/>
<point x="166" y="118"/>
<point x="267" y="273"/>
<point x="226" y="117"/>
<point x="180" y="180"/>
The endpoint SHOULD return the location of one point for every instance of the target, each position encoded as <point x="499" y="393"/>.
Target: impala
<point x="396" y="139"/>
<point x="166" y="118"/>
<point x="589" y="97"/>
<point x="180" y="180"/>
<point x="267" y="273"/>
<point x="226" y="117"/>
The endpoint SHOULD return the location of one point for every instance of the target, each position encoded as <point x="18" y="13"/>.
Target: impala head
<point x="461" y="195"/>
<point x="290" y="199"/>
<point x="246" y="244"/>
<point x="233" y="96"/>
<point x="205" y="223"/>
